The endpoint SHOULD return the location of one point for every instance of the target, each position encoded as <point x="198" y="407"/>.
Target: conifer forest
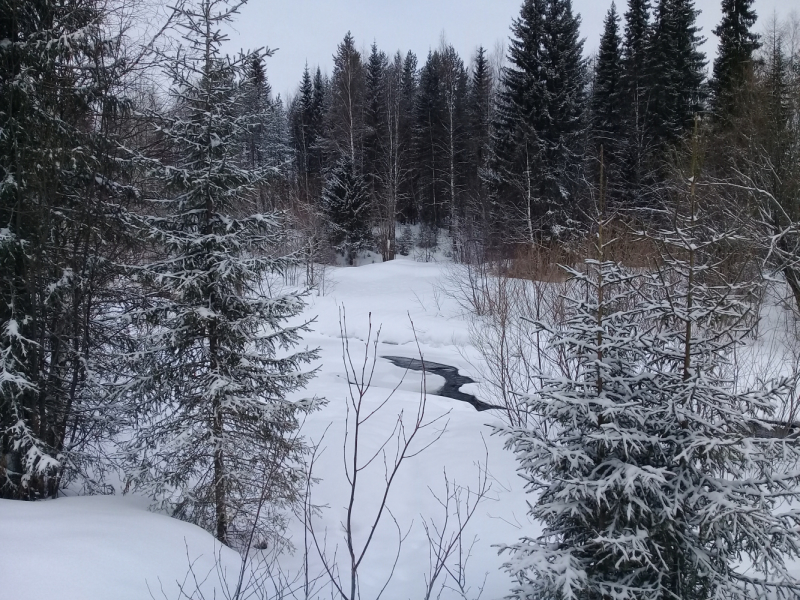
<point x="523" y="323"/>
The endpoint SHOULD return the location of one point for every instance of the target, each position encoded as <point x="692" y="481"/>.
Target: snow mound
<point x="103" y="548"/>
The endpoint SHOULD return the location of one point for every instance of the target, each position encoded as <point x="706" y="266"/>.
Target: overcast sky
<point x="309" y="30"/>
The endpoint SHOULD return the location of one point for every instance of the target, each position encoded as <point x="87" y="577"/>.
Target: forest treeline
<point x="148" y="191"/>
<point x="502" y="156"/>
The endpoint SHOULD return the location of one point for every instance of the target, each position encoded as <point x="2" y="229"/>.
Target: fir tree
<point x="213" y="427"/>
<point x="737" y="43"/>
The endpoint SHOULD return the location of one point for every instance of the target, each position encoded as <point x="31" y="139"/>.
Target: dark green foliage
<point x="345" y="201"/>
<point x="675" y="73"/>
<point x="539" y="125"/>
<point x="607" y="114"/>
<point x="345" y="114"/>
<point x="61" y="196"/>
<point x="375" y="119"/>
<point x="206" y="387"/>
<point x="306" y="117"/>
<point x="479" y="143"/>
<point x="607" y="126"/>
<point x="737" y="43"/>
<point x="635" y="101"/>
<point x="406" y="207"/>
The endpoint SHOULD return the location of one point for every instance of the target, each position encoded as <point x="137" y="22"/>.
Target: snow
<point x="101" y="547"/>
<point x="111" y="547"/>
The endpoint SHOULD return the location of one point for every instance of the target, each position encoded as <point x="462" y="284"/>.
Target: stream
<point x="452" y="380"/>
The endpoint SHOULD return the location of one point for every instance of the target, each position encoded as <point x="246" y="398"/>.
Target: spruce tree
<point x="656" y="475"/>
<point x="539" y="126"/>
<point x="375" y="120"/>
<point x="480" y="105"/>
<point x="607" y="96"/>
<point x="316" y="117"/>
<point x="634" y="49"/>
<point x="62" y="201"/>
<point x="345" y="115"/>
<point x="267" y="141"/>
<point x="430" y="141"/>
<point x="737" y="43"/>
<point x="406" y="201"/>
<point x="635" y="100"/>
<point x="454" y="82"/>
<point x="518" y="156"/>
<point x="214" y="435"/>
<point x="303" y="132"/>
<point x="480" y="102"/>
<point x="346" y="202"/>
<point x="675" y="72"/>
<point x="566" y="101"/>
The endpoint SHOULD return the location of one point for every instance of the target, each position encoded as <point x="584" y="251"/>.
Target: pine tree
<point x="214" y="433"/>
<point x="737" y="43"/>
<point x="607" y="108"/>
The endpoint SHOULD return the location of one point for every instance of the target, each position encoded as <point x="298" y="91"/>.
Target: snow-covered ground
<point x="112" y="548"/>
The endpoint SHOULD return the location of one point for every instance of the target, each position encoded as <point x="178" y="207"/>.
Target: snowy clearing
<point x="99" y="548"/>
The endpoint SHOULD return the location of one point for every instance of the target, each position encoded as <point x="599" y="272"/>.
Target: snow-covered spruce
<point x="651" y="480"/>
<point x="61" y="191"/>
<point x="215" y="440"/>
<point x="345" y="201"/>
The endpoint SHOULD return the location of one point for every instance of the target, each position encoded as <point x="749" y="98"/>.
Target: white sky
<point x="309" y="30"/>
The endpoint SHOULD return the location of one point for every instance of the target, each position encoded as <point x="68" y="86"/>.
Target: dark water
<point x="452" y="380"/>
